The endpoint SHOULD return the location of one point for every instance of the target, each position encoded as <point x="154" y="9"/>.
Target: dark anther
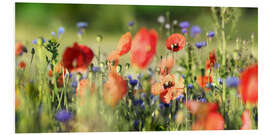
<point x="175" y="46"/>
<point x="168" y="85"/>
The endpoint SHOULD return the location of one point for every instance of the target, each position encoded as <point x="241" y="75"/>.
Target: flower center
<point x="168" y="85"/>
<point x="74" y="63"/>
<point x="175" y="46"/>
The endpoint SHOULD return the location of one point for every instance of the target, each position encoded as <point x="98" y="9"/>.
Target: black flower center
<point x="174" y="46"/>
<point x="168" y="85"/>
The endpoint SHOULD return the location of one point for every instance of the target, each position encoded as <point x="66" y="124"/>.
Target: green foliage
<point x="52" y="47"/>
<point x="42" y="98"/>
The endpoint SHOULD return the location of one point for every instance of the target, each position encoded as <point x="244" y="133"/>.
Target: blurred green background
<point x="111" y="21"/>
<point x="114" y="18"/>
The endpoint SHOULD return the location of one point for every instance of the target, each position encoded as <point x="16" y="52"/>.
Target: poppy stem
<point x="60" y="100"/>
<point x="55" y="85"/>
<point x="224" y="95"/>
<point x="223" y="10"/>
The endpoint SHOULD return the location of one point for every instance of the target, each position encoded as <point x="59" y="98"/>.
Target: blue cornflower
<point x="184" y="24"/>
<point x="63" y="116"/>
<point x="203" y="100"/>
<point x="61" y="30"/>
<point x="82" y="25"/>
<point x="53" y="34"/>
<point x="161" y="19"/>
<point x="129" y="77"/>
<point x="182" y="96"/>
<point x="200" y="44"/>
<point x="184" y="31"/>
<point x="190" y="86"/>
<point x="232" y="81"/>
<point x="39" y="41"/>
<point x="183" y="76"/>
<point x="132" y="82"/>
<point x="131" y="23"/>
<point x="211" y="34"/>
<point x="138" y="102"/>
<point x="95" y="69"/>
<point x="220" y="81"/>
<point x="74" y="84"/>
<point x="195" y="30"/>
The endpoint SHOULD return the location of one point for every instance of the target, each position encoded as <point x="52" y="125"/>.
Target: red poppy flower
<point x="166" y="65"/>
<point x="213" y="121"/>
<point x="201" y="109"/>
<point x="203" y="80"/>
<point x="84" y="86"/>
<point x="168" y="88"/>
<point x="207" y="116"/>
<point x="176" y="42"/>
<point x="212" y="57"/>
<point x="19" y="48"/>
<point x="211" y="61"/>
<point x="114" y="89"/>
<point x="113" y="59"/>
<point x="124" y="44"/>
<point x="246" y="121"/>
<point x="22" y="65"/>
<point x="249" y="84"/>
<point x="77" y="58"/>
<point x="143" y="48"/>
<point x="208" y="64"/>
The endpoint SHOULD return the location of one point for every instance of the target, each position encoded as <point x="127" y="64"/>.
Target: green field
<point x="44" y="105"/>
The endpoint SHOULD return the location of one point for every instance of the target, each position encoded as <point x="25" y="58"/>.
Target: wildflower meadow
<point x="161" y="69"/>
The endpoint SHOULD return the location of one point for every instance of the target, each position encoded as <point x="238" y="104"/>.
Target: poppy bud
<point x="99" y="38"/>
<point x="127" y="66"/>
<point x="119" y="68"/>
<point x="33" y="51"/>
